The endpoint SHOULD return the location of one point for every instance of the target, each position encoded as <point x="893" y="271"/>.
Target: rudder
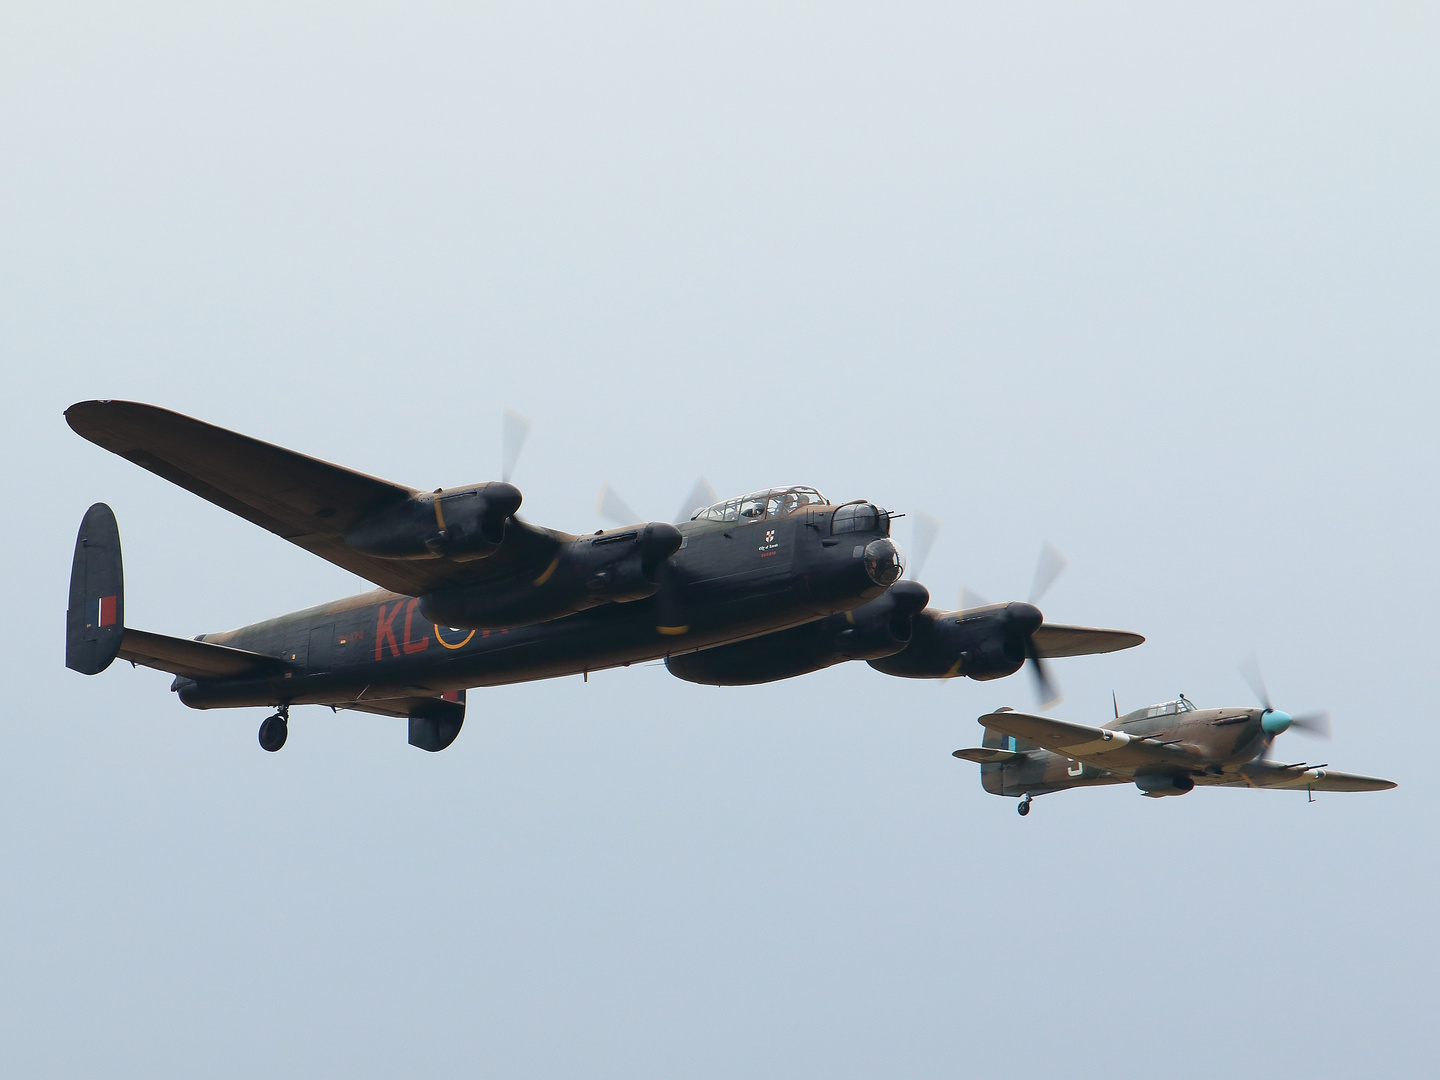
<point x="992" y="776"/>
<point x="95" y="620"/>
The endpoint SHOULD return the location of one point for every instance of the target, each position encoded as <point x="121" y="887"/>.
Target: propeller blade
<point x="969" y="598"/>
<point x="1046" y="571"/>
<point x="515" y="429"/>
<point x="669" y="612"/>
<point x="701" y="495"/>
<point x="1250" y="670"/>
<point x="1045" y="688"/>
<point x="1316" y="724"/>
<point x="612" y="507"/>
<point x="922" y="539"/>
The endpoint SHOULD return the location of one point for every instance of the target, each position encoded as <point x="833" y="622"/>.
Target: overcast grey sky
<point x="1157" y="283"/>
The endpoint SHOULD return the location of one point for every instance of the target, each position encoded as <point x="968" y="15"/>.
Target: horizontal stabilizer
<point x="988" y="755"/>
<point x="195" y="659"/>
<point x="1053" y="640"/>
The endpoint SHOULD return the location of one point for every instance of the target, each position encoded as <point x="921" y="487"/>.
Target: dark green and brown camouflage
<point x="761" y="587"/>
<point x="1164" y="749"/>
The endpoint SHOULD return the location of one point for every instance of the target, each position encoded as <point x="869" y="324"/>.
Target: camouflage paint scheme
<point x="1164" y="749"/>
<point x="764" y="587"/>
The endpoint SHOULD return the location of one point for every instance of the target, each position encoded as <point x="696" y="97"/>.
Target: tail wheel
<point x="1022" y="809"/>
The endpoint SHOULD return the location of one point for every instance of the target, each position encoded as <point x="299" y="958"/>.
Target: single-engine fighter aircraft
<point x="1165" y="749"/>
<point x="766" y="586"/>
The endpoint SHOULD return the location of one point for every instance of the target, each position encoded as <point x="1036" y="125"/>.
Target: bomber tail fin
<point x="95" y="621"/>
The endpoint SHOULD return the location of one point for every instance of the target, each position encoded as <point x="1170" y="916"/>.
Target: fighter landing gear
<point x="1022" y="809"/>
<point x="274" y="729"/>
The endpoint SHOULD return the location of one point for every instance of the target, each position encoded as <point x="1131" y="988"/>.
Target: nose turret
<point x="883" y="563"/>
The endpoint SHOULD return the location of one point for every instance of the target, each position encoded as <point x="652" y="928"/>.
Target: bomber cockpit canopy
<point x="772" y="502"/>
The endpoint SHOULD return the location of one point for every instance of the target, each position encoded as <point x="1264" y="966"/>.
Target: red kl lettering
<point x="385" y="628"/>
<point x="413" y="646"/>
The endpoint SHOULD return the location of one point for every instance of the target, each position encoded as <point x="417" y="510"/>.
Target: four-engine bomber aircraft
<point x="1165" y="749"/>
<point x="763" y="587"/>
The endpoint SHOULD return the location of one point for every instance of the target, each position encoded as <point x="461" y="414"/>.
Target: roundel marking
<point x="452" y="645"/>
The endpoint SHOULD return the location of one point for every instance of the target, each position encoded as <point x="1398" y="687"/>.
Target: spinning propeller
<point x="1275" y="722"/>
<point x="515" y="428"/>
<point x="1047" y="569"/>
<point x="1021" y="620"/>
<point x="612" y="507"/>
<point x="663" y="540"/>
<point x="658" y="540"/>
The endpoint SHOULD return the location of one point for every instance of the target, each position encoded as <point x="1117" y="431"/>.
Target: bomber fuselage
<point x="734" y="580"/>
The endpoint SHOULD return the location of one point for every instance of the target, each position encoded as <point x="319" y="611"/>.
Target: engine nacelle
<point x="1158" y="785"/>
<point x="984" y="643"/>
<point x="608" y="568"/>
<point x="461" y="524"/>
<point x="879" y="628"/>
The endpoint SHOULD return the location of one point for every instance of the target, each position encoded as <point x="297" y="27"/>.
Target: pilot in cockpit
<point x="786" y="502"/>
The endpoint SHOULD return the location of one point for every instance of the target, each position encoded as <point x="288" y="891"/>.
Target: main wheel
<point x="273" y="732"/>
<point x="1024" y="807"/>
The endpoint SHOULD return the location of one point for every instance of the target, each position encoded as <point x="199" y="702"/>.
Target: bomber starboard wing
<point x="304" y="500"/>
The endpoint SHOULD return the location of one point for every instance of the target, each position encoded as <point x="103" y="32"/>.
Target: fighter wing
<point x="1053" y="639"/>
<point x="306" y="501"/>
<point x="1102" y="747"/>
<point x="1265" y="774"/>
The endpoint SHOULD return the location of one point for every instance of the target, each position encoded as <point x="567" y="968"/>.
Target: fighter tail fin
<point x="95" y="621"/>
<point x="995" y="740"/>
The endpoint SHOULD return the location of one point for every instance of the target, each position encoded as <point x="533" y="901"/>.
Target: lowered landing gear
<point x="1022" y="809"/>
<point x="274" y="729"/>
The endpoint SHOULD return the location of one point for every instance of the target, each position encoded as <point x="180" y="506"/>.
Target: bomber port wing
<point x="1101" y="747"/>
<point x="1053" y="640"/>
<point x="307" y="501"/>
